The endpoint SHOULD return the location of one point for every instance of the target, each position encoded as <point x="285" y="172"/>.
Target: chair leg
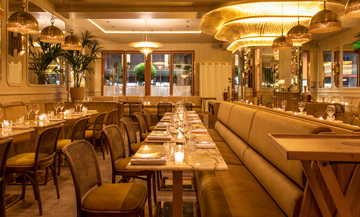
<point x="35" y="182"/>
<point x="158" y="179"/>
<point x="113" y="177"/>
<point x="149" y="194"/>
<point x="46" y="176"/>
<point x="23" y="187"/>
<point x="59" y="163"/>
<point x="53" y="170"/>
<point x="102" y="148"/>
<point x="2" y="199"/>
<point x="154" y="188"/>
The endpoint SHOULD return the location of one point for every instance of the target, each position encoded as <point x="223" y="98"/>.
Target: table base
<point x="166" y="184"/>
<point x="164" y="209"/>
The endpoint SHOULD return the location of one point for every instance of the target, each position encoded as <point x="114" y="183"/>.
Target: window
<point x="182" y="74"/>
<point x="350" y="69"/>
<point x="160" y="80"/>
<point x="113" y="75"/>
<point x="135" y="74"/>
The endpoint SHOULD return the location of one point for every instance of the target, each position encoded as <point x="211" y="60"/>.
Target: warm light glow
<point x="180" y="136"/>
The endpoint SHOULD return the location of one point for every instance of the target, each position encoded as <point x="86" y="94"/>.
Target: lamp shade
<point x="325" y="21"/>
<point x="52" y="34"/>
<point x="22" y="22"/>
<point x="280" y="43"/>
<point x="72" y="42"/>
<point x="298" y="35"/>
<point x="146" y="47"/>
<point x="352" y="9"/>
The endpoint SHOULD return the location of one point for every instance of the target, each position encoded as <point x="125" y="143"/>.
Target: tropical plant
<point x="81" y="63"/>
<point x="40" y="60"/>
<point x="140" y="72"/>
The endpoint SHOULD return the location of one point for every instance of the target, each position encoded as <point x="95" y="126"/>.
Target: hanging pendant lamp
<point x="22" y="22"/>
<point x="352" y="9"/>
<point x="52" y="34"/>
<point x="72" y="42"/>
<point x="325" y="21"/>
<point x="280" y="42"/>
<point x="298" y="34"/>
<point x="146" y="46"/>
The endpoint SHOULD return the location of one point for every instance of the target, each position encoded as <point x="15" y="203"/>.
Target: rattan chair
<point x="78" y="133"/>
<point x="110" y="120"/>
<point x="142" y="126"/>
<point x="4" y="150"/>
<point x="119" y="161"/>
<point x="133" y="143"/>
<point x="339" y="108"/>
<point x="148" y="121"/>
<point x="28" y="163"/>
<point x="320" y="113"/>
<point x="345" y="118"/>
<point x="95" y="133"/>
<point x="162" y="108"/>
<point x="188" y="106"/>
<point x="95" y="199"/>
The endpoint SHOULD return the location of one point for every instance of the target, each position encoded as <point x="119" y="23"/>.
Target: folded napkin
<point x="168" y="113"/>
<point x="191" y="112"/>
<point x="192" y="115"/>
<point x="150" y="161"/>
<point x="159" y="135"/>
<point x="166" y="118"/>
<point x="195" y="121"/>
<point x="199" y="130"/>
<point x="21" y="127"/>
<point x="55" y="119"/>
<point x="92" y="111"/>
<point x="205" y="145"/>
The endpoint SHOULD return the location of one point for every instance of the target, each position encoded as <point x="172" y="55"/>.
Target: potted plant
<point x="81" y="64"/>
<point x="40" y="59"/>
<point x="140" y="73"/>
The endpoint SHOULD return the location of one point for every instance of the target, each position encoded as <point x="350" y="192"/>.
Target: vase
<point x="77" y="93"/>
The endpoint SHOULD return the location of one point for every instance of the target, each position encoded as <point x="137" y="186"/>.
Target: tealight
<point x="180" y="136"/>
<point x="251" y="103"/>
<point x="321" y="118"/>
<point x="179" y="154"/>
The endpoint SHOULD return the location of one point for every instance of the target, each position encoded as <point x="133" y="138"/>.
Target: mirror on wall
<point x="306" y="79"/>
<point x="46" y="66"/>
<point x="336" y="67"/>
<point x="350" y="66"/>
<point x="325" y="79"/>
<point x="16" y="50"/>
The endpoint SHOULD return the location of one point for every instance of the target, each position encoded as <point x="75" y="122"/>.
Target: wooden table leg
<point x="335" y="191"/>
<point x="177" y="206"/>
<point x="319" y="197"/>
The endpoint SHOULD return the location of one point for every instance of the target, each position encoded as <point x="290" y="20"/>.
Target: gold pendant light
<point x="146" y="46"/>
<point x="52" y="34"/>
<point x="325" y="21"/>
<point x="352" y="9"/>
<point x="298" y="34"/>
<point x="72" y="42"/>
<point x="280" y="42"/>
<point x="22" y="22"/>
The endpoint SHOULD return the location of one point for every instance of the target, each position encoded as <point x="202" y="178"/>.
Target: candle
<point x="321" y="118"/>
<point x="346" y="103"/>
<point x="180" y="136"/>
<point x="332" y="102"/>
<point x="5" y="126"/>
<point x="145" y="147"/>
<point x="179" y="157"/>
<point x="250" y="103"/>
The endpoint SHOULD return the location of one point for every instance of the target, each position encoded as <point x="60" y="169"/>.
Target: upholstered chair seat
<point x="63" y="142"/>
<point x="28" y="159"/>
<point x="89" y="133"/>
<point x="144" y="135"/>
<point x="152" y="128"/>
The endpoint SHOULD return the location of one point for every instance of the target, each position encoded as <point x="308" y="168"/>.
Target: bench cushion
<point x="240" y="121"/>
<point x="224" y="111"/>
<point x="215" y="135"/>
<point x="227" y="154"/>
<point x="236" y="144"/>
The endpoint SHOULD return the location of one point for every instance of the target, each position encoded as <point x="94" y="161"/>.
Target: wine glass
<point x="28" y="110"/>
<point x="174" y="130"/>
<point x="76" y="103"/>
<point x="330" y="110"/>
<point x="56" y="106"/>
<point x="301" y="106"/>
<point x="36" y="108"/>
<point x="80" y="105"/>
<point x="283" y="104"/>
<point x="62" y="105"/>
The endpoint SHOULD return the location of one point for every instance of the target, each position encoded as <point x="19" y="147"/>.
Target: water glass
<point x="51" y="114"/>
<point x="283" y="104"/>
<point x="190" y="142"/>
<point x="19" y="120"/>
<point x="179" y="154"/>
<point x="7" y="126"/>
<point x="169" y="150"/>
<point x="301" y="106"/>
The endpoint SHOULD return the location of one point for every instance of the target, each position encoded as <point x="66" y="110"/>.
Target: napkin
<point x="192" y="115"/>
<point x="205" y="145"/>
<point x="159" y="135"/>
<point x="93" y="111"/>
<point x="150" y="161"/>
<point x="195" y="121"/>
<point x="199" y="130"/>
<point x="168" y="113"/>
<point x="55" y="119"/>
<point x="191" y="112"/>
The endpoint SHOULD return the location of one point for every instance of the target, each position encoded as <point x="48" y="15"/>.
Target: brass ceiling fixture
<point x="259" y="23"/>
<point x="72" y="42"/>
<point x="299" y="34"/>
<point x="280" y="42"/>
<point x="52" y="34"/>
<point x="146" y="46"/>
<point x="325" y="21"/>
<point x="22" y="22"/>
<point x="352" y="9"/>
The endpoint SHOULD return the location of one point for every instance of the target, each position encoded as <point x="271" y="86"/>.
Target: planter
<point x="77" y="93"/>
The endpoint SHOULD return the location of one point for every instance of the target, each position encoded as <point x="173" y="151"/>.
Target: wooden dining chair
<point x="147" y="116"/>
<point x="188" y="106"/>
<point x="78" y="133"/>
<point x="4" y="150"/>
<point x="92" y="197"/>
<point x="110" y="120"/>
<point x="113" y="138"/>
<point x="142" y="126"/>
<point x="320" y="113"/>
<point x="28" y="164"/>
<point x="162" y="108"/>
<point x="95" y="133"/>
<point x="345" y="118"/>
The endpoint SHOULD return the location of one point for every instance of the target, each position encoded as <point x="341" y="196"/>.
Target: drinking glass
<point x="62" y="105"/>
<point x="190" y="142"/>
<point x="174" y="130"/>
<point x="76" y="104"/>
<point x="80" y="105"/>
<point x="330" y="110"/>
<point x="301" y="106"/>
<point x="169" y="150"/>
<point x="28" y="110"/>
<point x="283" y="104"/>
<point x="36" y="108"/>
<point x="179" y="154"/>
<point x="56" y="107"/>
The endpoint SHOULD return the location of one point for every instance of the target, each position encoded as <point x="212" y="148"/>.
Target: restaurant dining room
<point x="179" y="108"/>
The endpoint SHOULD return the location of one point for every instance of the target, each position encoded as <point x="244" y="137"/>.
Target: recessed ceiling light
<point x="170" y="30"/>
<point x="152" y="30"/>
<point x="107" y="21"/>
<point x="187" y="26"/>
<point x="133" y="30"/>
<point x="187" y="21"/>
<point x="112" y="26"/>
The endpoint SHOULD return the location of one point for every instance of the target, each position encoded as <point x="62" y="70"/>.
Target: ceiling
<point x="120" y="21"/>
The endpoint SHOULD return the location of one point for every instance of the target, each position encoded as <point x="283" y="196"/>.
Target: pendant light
<point x="325" y="21"/>
<point x="298" y="34"/>
<point x="71" y="41"/>
<point x="52" y="34"/>
<point x="280" y="42"/>
<point x="22" y="22"/>
<point x="146" y="46"/>
<point x="352" y="9"/>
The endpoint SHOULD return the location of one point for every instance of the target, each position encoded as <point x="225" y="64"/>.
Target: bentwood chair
<point x="95" y="199"/>
<point x="319" y="113"/>
<point x="345" y="118"/>
<point x="142" y="126"/>
<point x="188" y="106"/>
<point x="147" y="116"/>
<point x="78" y="133"/>
<point x="44" y="157"/>
<point x="119" y="161"/>
<point x="95" y="133"/>
<point x="162" y="108"/>
<point x="4" y="150"/>
<point x="110" y="120"/>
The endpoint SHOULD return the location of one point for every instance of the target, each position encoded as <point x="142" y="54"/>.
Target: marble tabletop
<point x="4" y="135"/>
<point x="200" y="159"/>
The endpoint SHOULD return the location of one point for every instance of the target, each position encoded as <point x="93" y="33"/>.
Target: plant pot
<point x="77" y="93"/>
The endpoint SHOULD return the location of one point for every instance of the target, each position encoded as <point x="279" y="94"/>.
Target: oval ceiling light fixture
<point x="352" y="9"/>
<point x="22" y="22"/>
<point x="325" y="21"/>
<point x="52" y="34"/>
<point x="298" y="34"/>
<point x="146" y="46"/>
<point x="72" y="42"/>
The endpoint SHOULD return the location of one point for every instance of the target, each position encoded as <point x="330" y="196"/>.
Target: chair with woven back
<point x="345" y="118"/>
<point x="319" y="113"/>
<point x="92" y="197"/>
<point x="28" y="164"/>
<point x="78" y="133"/>
<point x="95" y="133"/>
<point x="114" y="139"/>
<point x="147" y="116"/>
<point x="4" y="150"/>
<point x="162" y="108"/>
<point x="188" y="106"/>
<point x="142" y="126"/>
<point x="110" y="120"/>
